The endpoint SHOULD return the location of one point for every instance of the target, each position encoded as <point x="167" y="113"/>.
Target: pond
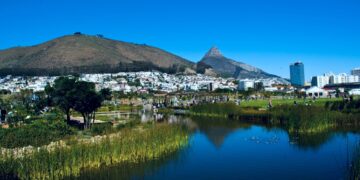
<point x="227" y="149"/>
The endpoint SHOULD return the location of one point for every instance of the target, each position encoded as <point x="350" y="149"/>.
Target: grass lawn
<point x="276" y="102"/>
<point x="108" y="108"/>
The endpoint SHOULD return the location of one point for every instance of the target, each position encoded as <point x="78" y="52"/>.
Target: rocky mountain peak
<point x="231" y="68"/>
<point x="214" y="52"/>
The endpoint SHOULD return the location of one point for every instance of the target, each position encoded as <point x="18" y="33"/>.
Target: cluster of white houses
<point x="127" y="82"/>
<point x="328" y="83"/>
<point x="143" y="82"/>
<point x="331" y="78"/>
<point x="317" y="92"/>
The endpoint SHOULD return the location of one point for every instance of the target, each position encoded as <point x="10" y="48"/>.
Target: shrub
<point x="38" y="133"/>
<point x="99" y="129"/>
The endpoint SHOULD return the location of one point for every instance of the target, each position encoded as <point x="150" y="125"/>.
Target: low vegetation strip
<point x="226" y="110"/>
<point x="37" y="133"/>
<point x="128" y="146"/>
<point x="295" y="118"/>
<point x="310" y="119"/>
<point x="215" y="109"/>
<point x="355" y="164"/>
<point x="263" y="103"/>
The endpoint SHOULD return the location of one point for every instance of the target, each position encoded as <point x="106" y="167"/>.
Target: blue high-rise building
<point x="297" y="76"/>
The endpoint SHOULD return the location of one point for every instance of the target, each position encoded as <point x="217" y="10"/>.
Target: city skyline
<point x="323" y="34"/>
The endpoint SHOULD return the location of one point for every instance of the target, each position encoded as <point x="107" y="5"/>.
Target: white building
<point x="343" y="78"/>
<point x="244" y="85"/>
<point x="316" y="92"/>
<point x="354" y="92"/>
<point x="353" y="78"/>
<point x="320" y="81"/>
<point x="271" y="89"/>
<point x="355" y="72"/>
<point x="330" y="78"/>
<point x="338" y="79"/>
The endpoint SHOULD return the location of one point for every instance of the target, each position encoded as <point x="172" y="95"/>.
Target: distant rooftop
<point x="297" y="63"/>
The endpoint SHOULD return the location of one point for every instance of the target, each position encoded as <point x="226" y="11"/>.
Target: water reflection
<point x="216" y="130"/>
<point x="229" y="149"/>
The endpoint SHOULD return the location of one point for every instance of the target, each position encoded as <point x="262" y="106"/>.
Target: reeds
<point x="310" y="119"/>
<point x="355" y="164"/>
<point x="295" y="118"/>
<point x="128" y="146"/>
<point x="215" y="109"/>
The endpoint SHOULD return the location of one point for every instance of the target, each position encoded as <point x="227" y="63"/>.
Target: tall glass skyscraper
<point x="297" y="76"/>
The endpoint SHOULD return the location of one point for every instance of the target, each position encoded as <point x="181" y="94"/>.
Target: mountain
<point x="230" y="68"/>
<point x="80" y="53"/>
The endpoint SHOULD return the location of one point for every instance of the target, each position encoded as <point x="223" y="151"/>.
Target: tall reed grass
<point x="310" y="119"/>
<point x="299" y="118"/>
<point x="355" y="164"/>
<point x="129" y="146"/>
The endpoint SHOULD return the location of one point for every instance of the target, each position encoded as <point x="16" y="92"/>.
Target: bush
<point x="130" y="124"/>
<point x="344" y="106"/>
<point x="100" y="129"/>
<point x="38" y="133"/>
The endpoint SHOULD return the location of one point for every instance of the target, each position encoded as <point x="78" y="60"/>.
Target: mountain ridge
<point x="79" y="53"/>
<point x="88" y="54"/>
<point x="231" y="68"/>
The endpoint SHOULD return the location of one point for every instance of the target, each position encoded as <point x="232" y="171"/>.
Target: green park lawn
<point x="261" y="103"/>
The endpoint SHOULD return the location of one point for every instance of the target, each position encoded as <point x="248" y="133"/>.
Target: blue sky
<point x="269" y="34"/>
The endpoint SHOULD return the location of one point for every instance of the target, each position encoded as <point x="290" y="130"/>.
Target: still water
<point x="226" y="149"/>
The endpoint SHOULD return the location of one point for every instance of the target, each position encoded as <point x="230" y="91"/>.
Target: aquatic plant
<point x="344" y="106"/>
<point x="355" y="164"/>
<point x="215" y="109"/>
<point x="311" y="118"/>
<point x="128" y="146"/>
<point x="295" y="118"/>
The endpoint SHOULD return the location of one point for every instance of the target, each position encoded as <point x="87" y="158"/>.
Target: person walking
<point x="270" y="103"/>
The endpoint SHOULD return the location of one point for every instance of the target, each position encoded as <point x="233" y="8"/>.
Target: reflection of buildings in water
<point x="146" y="117"/>
<point x="118" y="115"/>
<point x="217" y="129"/>
<point x="176" y="119"/>
<point x="173" y="119"/>
<point x="158" y="117"/>
<point x="147" y="108"/>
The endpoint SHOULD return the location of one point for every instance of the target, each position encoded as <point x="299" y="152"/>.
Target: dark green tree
<point x="106" y="94"/>
<point x="61" y="94"/>
<point x="259" y="86"/>
<point x="70" y="93"/>
<point x="87" y="101"/>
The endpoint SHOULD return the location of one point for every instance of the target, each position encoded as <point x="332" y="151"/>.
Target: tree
<point x="70" y="93"/>
<point x="24" y="97"/>
<point x="337" y="93"/>
<point x="259" y="86"/>
<point x="106" y="94"/>
<point x="87" y="101"/>
<point x="61" y="94"/>
<point x="39" y="102"/>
